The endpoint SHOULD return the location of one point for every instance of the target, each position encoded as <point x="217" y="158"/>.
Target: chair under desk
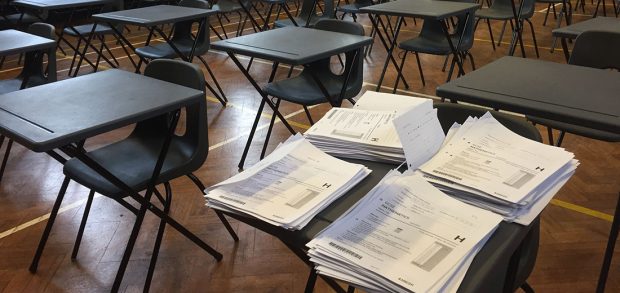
<point x="551" y="90"/>
<point x="16" y="42"/>
<point x="276" y="46"/>
<point x="151" y="17"/>
<point x="571" y="32"/>
<point x="40" y="8"/>
<point x="58" y="117"/>
<point x="429" y="10"/>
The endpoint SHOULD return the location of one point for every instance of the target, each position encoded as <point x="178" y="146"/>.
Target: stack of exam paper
<point x="485" y="164"/>
<point x="288" y="187"/>
<point x="404" y="235"/>
<point x="367" y="131"/>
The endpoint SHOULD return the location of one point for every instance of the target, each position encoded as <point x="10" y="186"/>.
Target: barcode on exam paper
<point x="345" y="250"/>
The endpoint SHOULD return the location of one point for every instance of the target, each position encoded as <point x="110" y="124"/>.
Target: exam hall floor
<point x="574" y="226"/>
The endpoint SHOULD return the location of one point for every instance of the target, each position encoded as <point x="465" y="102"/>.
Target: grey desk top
<point x="562" y="92"/>
<point x="598" y="23"/>
<point x="292" y="45"/>
<point x="420" y="8"/>
<point x="57" y="4"/>
<point x="49" y="116"/>
<point x="154" y="15"/>
<point x="15" y="42"/>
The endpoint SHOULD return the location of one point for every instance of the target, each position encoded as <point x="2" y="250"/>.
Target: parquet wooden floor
<point x="573" y="235"/>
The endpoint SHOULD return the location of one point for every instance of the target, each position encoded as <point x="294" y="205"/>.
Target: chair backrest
<point x="183" y="30"/>
<point x="354" y="59"/>
<point x="448" y="113"/>
<point x="309" y="8"/>
<point x="432" y="29"/>
<point x="196" y="131"/>
<point x="506" y="5"/>
<point x="597" y="49"/>
<point x="33" y="61"/>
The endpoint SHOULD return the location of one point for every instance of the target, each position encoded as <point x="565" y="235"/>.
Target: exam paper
<point x="289" y="186"/>
<point x="405" y="236"/>
<point x="420" y="133"/>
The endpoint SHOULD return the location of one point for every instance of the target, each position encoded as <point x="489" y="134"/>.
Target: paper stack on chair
<point x="288" y="187"/>
<point x="404" y="235"/>
<point x="487" y="165"/>
<point x="365" y="131"/>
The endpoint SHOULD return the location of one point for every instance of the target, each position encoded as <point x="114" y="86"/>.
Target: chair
<point x="183" y="39"/>
<point x="595" y="49"/>
<point x="133" y="159"/>
<point x="81" y="32"/>
<point x="502" y="10"/>
<point x="432" y="40"/>
<point x="229" y="6"/>
<point x="303" y="89"/>
<point x="33" y="73"/>
<point x="519" y="265"/>
<point x="308" y="16"/>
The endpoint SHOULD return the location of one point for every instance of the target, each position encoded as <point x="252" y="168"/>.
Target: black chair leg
<point x="417" y="58"/>
<point x="78" y="239"/>
<point x="550" y="135"/>
<point x="560" y="139"/>
<point x="311" y="281"/>
<point x="5" y="159"/>
<point x="308" y="115"/>
<point x="527" y="288"/>
<point x="491" y="33"/>
<point x="48" y="228"/>
<point x="219" y="214"/>
<point x="160" y="234"/>
<point x="75" y="53"/>
<point x="533" y="37"/>
<point x="471" y="59"/>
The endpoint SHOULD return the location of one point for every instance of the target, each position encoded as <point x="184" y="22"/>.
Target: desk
<point x="150" y="17"/>
<point x="544" y="89"/>
<point x="498" y="258"/>
<point x="551" y="90"/>
<point x="429" y="10"/>
<point x="17" y="42"/>
<point x="61" y="115"/>
<point x="39" y="7"/>
<point x="594" y="24"/>
<point x="275" y="45"/>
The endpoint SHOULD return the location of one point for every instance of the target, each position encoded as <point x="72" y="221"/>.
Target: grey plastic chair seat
<point x="132" y="160"/>
<point x="495" y="13"/>
<point x="227" y="6"/>
<point x="298" y="20"/>
<point x="85" y="29"/>
<point x="304" y="90"/>
<point x="11" y="85"/>
<point x="352" y="8"/>
<point x="164" y="50"/>
<point x="435" y="46"/>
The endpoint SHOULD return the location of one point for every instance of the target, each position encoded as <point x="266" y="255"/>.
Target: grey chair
<point x="308" y="16"/>
<point x="33" y="73"/>
<point x="502" y="10"/>
<point x="133" y="159"/>
<point x="597" y="49"/>
<point x="303" y="89"/>
<point x="432" y="40"/>
<point x="82" y="31"/>
<point x="230" y="6"/>
<point x="183" y="39"/>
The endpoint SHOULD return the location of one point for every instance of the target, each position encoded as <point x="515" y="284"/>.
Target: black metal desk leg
<point x="609" y="252"/>
<point x="48" y="228"/>
<point x="390" y="52"/>
<point x="265" y="100"/>
<point x="517" y="30"/>
<point x="455" y="50"/>
<point x="376" y="21"/>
